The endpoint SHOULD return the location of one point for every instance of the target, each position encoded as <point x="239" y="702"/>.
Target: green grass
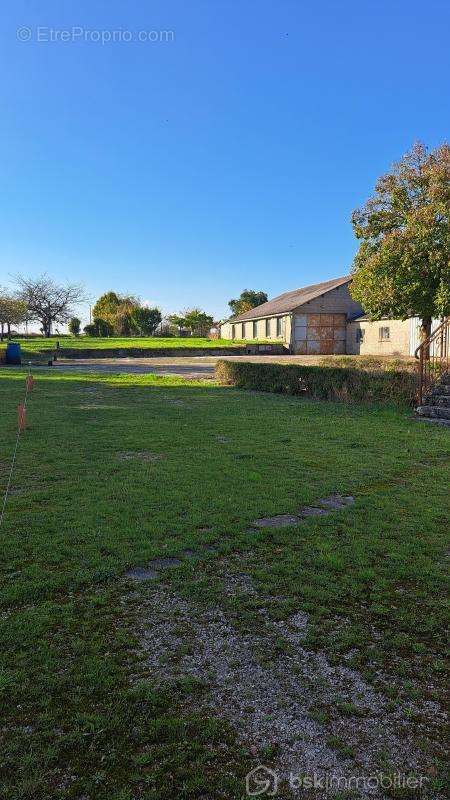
<point x="73" y="723"/>
<point x="35" y="346"/>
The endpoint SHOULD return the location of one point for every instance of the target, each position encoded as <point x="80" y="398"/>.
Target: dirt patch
<point x="140" y="455"/>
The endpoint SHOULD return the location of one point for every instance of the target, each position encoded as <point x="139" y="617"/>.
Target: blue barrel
<point x="13" y="354"/>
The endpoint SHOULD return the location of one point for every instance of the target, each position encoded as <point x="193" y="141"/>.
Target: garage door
<point x="319" y="334"/>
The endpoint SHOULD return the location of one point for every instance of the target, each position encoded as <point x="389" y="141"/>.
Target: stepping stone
<point x="188" y="553"/>
<point x="311" y="511"/>
<point x="163" y="563"/>
<point x="210" y="548"/>
<point x="139" y="455"/>
<point x="280" y="521"/>
<point x="332" y="503"/>
<point x="141" y="574"/>
<point x="337" y="501"/>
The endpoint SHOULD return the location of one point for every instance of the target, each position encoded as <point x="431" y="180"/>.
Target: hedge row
<point x="325" y="383"/>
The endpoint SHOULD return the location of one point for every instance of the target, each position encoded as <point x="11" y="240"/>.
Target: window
<point x="267" y="328"/>
<point x="360" y="335"/>
<point x="233" y="331"/>
<point x="384" y="334"/>
<point x="255" y="330"/>
<point x="279" y="326"/>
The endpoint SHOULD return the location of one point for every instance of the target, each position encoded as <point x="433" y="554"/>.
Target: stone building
<point x="324" y="319"/>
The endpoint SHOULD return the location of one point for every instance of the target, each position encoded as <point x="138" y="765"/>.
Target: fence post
<point x="21" y="417"/>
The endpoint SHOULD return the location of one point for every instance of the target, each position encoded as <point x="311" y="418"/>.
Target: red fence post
<point x="21" y="417"/>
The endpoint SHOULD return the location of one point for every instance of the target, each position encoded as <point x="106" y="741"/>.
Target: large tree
<point x="193" y="319"/>
<point x="248" y="299"/>
<point x="402" y="267"/>
<point x="49" y="302"/>
<point x="124" y="315"/>
<point x="145" y="320"/>
<point x="13" y="311"/>
<point x="106" y="308"/>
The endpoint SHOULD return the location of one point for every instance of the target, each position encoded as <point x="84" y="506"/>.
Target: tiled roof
<point x="291" y="300"/>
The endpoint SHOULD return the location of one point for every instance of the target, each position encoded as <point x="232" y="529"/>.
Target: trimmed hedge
<point x="325" y="383"/>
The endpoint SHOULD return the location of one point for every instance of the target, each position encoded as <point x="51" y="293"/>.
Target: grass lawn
<point x="32" y="347"/>
<point x="117" y="470"/>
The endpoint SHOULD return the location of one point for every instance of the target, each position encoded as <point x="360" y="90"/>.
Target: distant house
<point x="312" y="320"/>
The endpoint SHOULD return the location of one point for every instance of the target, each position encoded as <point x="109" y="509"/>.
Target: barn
<point x="310" y="321"/>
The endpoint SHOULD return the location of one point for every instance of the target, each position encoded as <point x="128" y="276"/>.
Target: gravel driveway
<point x="190" y="367"/>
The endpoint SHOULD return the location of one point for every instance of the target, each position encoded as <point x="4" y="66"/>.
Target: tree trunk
<point x="425" y="332"/>
<point x="1" y="331"/>
<point x="425" y="328"/>
<point x="8" y="324"/>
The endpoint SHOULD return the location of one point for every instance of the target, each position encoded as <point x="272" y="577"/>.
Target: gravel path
<point x="192" y="368"/>
<point x="312" y="716"/>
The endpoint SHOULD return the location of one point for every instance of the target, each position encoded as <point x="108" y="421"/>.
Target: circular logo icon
<point x="23" y="34"/>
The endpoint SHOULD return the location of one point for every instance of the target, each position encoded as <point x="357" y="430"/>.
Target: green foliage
<point x="145" y="320"/>
<point x="13" y="311"/>
<point x="198" y="321"/>
<point x="123" y="316"/>
<point x="106" y="308"/>
<point x="74" y="326"/>
<point x="402" y="267"/>
<point x="248" y="299"/>
<point x="194" y="320"/>
<point x="99" y="328"/>
<point x="324" y="383"/>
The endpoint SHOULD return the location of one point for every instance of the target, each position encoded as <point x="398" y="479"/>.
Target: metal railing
<point x="433" y="355"/>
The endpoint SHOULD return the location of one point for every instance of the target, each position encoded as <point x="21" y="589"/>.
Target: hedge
<point x="325" y="383"/>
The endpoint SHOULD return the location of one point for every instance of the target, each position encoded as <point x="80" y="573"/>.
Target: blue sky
<point x="228" y="157"/>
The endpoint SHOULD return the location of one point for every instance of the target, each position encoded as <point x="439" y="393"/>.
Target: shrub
<point x="325" y="383"/>
<point x="74" y="326"/>
<point x="100" y="327"/>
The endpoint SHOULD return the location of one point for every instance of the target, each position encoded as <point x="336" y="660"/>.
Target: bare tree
<point x="49" y="302"/>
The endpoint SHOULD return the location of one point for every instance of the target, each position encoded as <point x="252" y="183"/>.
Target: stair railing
<point x="433" y="355"/>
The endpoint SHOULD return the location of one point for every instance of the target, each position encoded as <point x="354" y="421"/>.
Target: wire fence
<point x="21" y="423"/>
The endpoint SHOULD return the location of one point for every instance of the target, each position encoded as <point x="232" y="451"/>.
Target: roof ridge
<point x="310" y="292"/>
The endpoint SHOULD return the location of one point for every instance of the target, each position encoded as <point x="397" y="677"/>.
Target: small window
<point x="267" y="328"/>
<point x="384" y="334"/>
<point x="233" y="331"/>
<point x="255" y="330"/>
<point x="360" y="335"/>
<point x="279" y="326"/>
